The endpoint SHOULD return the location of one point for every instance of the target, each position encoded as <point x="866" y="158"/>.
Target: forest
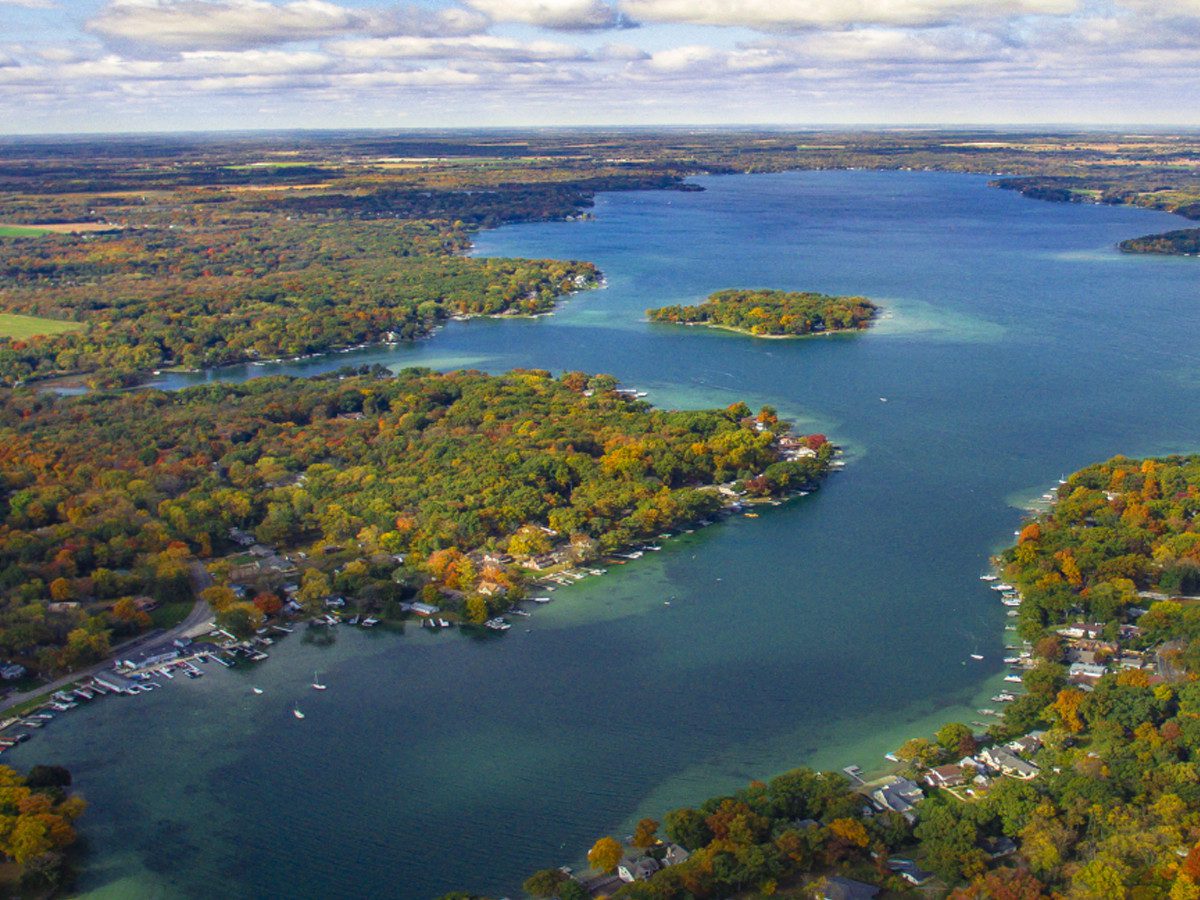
<point x="111" y="497"/>
<point x="766" y="313"/>
<point x="246" y="290"/>
<point x="1114" y="811"/>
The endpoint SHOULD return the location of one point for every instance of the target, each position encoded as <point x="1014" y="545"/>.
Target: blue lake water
<point x="1017" y="345"/>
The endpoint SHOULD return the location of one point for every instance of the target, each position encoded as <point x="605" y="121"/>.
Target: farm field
<point x="19" y="327"/>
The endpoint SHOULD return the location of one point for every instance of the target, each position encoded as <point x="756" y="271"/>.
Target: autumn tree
<point x="606" y="854"/>
<point x="645" y="834"/>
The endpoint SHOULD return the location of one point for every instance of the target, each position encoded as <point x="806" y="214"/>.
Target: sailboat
<point x="257" y="690"/>
<point x="317" y="686"/>
<point x="296" y="712"/>
<point x="976" y="656"/>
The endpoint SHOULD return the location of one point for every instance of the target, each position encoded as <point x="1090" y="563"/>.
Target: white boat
<point x="296" y="712"/>
<point x="257" y="690"/>
<point x="1011" y="601"/>
<point x="1003" y="586"/>
<point x="1016" y="679"/>
<point x="976" y="656"/>
<point x="370" y="622"/>
<point x="316" y="682"/>
<point x="541" y="599"/>
<point x="989" y="577"/>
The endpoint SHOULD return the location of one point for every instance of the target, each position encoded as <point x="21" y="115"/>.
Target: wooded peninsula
<point x="421" y="486"/>
<point x="1185" y="242"/>
<point x="768" y="313"/>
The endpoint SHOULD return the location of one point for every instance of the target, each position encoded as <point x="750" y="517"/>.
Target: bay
<point x="1017" y="345"/>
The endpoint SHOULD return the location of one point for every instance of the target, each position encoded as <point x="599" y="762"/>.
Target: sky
<point x="167" y="65"/>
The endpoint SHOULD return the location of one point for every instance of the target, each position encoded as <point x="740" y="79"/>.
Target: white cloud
<point x="223" y="24"/>
<point x="791" y="14"/>
<point x="30" y="4"/>
<point x="481" y="46"/>
<point x="570" y="15"/>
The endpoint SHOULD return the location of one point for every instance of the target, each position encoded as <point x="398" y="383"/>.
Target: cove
<point x="1017" y="345"/>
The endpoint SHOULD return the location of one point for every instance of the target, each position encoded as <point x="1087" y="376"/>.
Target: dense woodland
<point x="765" y="313"/>
<point x="1115" y="810"/>
<point x="249" y="289"/>
<point x="111" y="497"/>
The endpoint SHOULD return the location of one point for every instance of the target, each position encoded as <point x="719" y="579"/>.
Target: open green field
<point x="22" y="231"/>
<point x="16" y="326"/>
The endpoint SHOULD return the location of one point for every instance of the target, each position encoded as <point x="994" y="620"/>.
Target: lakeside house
<point x="12" y="671"/>
<point x="899" y="795"/>
<point x="150" y="656"/>
<point x="1004" y="760"/>
<point x="637" y="869"/>
<point x="421" y="609"/>
<point x="115" y="682"/>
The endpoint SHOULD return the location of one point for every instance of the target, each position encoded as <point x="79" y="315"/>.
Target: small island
<point x="1184" y="242"/>
<point x="772" y="313"/>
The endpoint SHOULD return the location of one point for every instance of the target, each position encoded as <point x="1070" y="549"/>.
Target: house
<point x="836" y="887"/>
<point x="545" y="561"/>
<point x="945" y="776"/>
<point x="62" y="606"/>
<point x="899" y="795"/>
<point x="1090" y="630"/>
<point x="910" y="872"/>
<point x="114" y="682"/>
<point x="12" y="671"/>
<point x="491" y="588"/>
<point x="1009" y="763"/>
<point x="241" y="538"/>
<point x="151" y="656"/>
<point x="1085" y="673"/>
<point x="674" y="855"/>
<point x="631" y="870"/>
<point x="335" y="602"/>
<point x="421" y="609"/>
<point x="998" y="848"/>
<point x="1027" y="744"/>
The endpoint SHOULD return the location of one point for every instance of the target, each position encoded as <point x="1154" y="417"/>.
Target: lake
<point x="1017" y="345"/>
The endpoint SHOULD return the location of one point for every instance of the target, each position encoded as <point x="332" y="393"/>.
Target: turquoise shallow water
<point x="1017" y="345"/>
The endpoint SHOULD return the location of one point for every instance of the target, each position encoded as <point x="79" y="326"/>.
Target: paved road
<point x="200" y="614"/>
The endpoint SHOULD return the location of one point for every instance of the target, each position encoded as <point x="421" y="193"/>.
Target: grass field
<point x="22" y="231"/>
<point x="15" y="326"/>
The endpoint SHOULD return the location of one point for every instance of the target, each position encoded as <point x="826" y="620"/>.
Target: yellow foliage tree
<point x="605" y="855"/>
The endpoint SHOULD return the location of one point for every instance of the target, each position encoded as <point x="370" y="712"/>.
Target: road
<point x="199" y="614"/>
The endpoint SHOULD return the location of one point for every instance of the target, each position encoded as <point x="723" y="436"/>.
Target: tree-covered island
<point x="772" y="313"/>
